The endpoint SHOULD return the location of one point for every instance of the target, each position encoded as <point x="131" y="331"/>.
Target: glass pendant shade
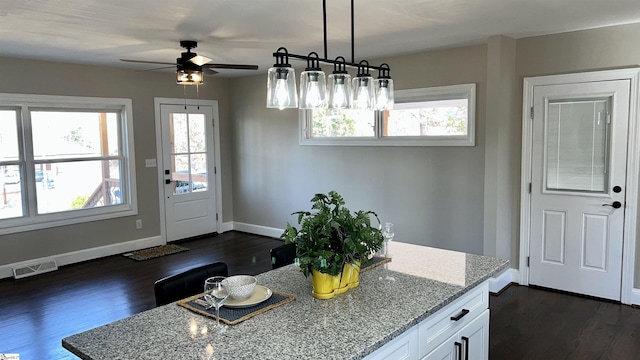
<point x="313" y="89"/>
<point x="189" y="77"/>
<point x="339" y="91"/>
<point x="383" y="89"/>
<point x="362" y="93"/>
<point x="281" y="88"/>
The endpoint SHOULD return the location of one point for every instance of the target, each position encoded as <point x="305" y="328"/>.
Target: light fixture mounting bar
<point x="327" y="61"/>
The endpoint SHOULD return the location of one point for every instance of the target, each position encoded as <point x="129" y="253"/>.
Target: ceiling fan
<point x="190" y="66"/>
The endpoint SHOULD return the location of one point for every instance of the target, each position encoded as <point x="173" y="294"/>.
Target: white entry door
<point x="579" y="154"/>
<point x="188" y="168"/>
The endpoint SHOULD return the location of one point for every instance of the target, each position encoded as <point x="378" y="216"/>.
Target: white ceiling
<point x="249" y="31"/>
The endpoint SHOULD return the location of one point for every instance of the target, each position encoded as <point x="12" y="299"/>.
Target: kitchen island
<point x="416" y="306"/>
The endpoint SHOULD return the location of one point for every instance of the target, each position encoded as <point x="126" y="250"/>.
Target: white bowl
<point x="240" y="287"/>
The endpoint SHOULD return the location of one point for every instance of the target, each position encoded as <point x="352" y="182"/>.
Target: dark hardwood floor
<point x="526" y="323"/>
<point x="531" y="323"/>
<point x="37" y="312"/>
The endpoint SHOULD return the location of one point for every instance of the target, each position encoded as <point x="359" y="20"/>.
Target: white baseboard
<point x="632" y="298"/>
<point x="258" y="230"/>
<point x="87" y="254"/>
<point x="499" y="282"/>
<point x="226" y="226"/>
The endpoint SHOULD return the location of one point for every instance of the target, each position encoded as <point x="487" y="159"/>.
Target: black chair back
<point x="185" y="284"/>
<point x="283" y="255"/>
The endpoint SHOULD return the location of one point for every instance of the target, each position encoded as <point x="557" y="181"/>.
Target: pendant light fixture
<point x="362" y="88"/>
<point x="361" y="92"/>
<point x="339" y="87"/>
<point x="312" y="85"/>
<point x="281" y="83"/>
<point x="383" y="89"/>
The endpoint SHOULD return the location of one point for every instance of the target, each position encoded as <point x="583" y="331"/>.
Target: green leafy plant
<point x="331" y="235"/>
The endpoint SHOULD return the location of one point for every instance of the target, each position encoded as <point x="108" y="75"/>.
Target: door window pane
<point x="197" y="134"/>
<point x="576" y="137"/>
<point x="199" y="172"/>
<point x="179" y="133"/>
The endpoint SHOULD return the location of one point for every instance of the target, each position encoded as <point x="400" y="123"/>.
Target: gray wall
<point x="50" y="78"/>
<point x="456" y="198"/>
<point x="434" y="195"/>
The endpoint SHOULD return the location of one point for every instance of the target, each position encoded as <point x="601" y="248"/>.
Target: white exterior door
<point x="578" y="164"/>
<point x="188" y="165"/>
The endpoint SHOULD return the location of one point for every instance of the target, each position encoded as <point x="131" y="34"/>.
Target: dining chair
<point x="283" y="255"/>
<point x="187" y="283"/>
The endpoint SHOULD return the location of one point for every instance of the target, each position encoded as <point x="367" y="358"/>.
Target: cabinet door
<point x="475" y="338"/>
<point x="447" y="350"/>
<point x="404" y="347"/>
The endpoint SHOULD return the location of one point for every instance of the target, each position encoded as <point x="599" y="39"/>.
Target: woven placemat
<point x="374" y="262"/>
<point x="232" y="316"/>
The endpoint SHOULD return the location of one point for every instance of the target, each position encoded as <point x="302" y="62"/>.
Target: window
<point x="438" y="116"/>
<point x="64" y="160"/>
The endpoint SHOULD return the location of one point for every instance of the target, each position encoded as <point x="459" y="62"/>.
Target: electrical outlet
<point x="139" y="224"/>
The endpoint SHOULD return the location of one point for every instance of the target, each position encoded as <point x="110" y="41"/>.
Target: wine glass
<point x="215" y="294"/>
<point x="388" y="236"/>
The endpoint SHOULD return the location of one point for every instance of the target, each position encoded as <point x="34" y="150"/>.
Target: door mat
<point x="154" y="252"/>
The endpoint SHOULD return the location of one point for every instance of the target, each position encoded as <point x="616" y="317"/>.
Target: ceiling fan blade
<point x="200" y="60"/>
<point x="208" y="71"/>
<point x="160" y="68"/>
<point x="148" y="62"/>
<point x="232" y="66"/>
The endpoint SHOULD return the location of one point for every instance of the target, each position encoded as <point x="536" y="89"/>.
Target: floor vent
<point x="34" y="269"/>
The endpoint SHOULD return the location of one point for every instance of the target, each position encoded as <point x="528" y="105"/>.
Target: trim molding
<point x="87" y="254"/>
<point x="226" y="226"/>
<point x="501" y="281"/>
<point x="258" y="230"/>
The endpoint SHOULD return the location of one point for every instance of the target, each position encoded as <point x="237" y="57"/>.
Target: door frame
<point x="628" y="295"/>
<point x="217" y="178"/>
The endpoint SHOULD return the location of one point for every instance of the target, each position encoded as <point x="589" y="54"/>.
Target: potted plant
<point x="332" y="240"/>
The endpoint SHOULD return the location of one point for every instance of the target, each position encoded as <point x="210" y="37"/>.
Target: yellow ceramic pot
<point x="324" y="285"/>
<point x="354" y="278"/>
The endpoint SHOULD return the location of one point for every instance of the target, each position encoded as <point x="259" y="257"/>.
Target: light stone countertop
<point x="348" y="326"/>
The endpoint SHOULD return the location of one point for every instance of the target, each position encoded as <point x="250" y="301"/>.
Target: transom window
<point x="438" y="116"/>
<point x="64" y="160"/>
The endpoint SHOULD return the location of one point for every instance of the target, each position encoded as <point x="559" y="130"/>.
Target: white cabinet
<point x="403" y="347"/>
<point x="464" y="321"/>
<point x="470" y="343"/>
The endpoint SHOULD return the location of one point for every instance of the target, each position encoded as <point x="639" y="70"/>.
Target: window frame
<point x="23" y="104"/>
<point x="462" y="91"/>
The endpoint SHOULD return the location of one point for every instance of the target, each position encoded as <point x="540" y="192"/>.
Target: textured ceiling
<point x="249" y="31"/>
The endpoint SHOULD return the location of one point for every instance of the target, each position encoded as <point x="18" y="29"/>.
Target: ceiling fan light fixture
<point x="189" y="77"/>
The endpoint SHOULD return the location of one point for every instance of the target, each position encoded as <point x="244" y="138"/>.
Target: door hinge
<point x="215" y="170"/>
<point x="216" y="216"/>
<point x="528" y="261"/>
<point x="213" y="122"/>
<point x="531" y="113"/>
<point x="608" y="118"/>
<point x="530" y="188"/>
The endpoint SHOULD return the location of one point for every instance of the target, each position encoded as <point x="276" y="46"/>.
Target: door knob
<point x="615" y="205"/>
